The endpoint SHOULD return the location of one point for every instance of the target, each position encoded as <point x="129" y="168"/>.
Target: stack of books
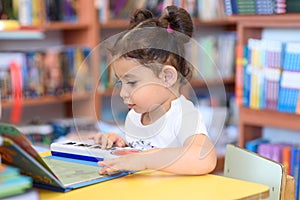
<point x="289" y="100"/>
<point x="12" y="182"/>
<point x="258" y="7"/>
<point x="292" y="6"/>
<point x="270" y="75"/>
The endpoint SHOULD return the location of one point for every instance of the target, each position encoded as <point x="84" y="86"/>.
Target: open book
<point x="52" y="172"/>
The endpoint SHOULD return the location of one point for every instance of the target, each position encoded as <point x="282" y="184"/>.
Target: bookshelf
<point x="83" y="32"/>
<point x="251" y="121"/>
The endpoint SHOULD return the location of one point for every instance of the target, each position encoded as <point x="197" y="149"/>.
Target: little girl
<point x="148" y="60"/>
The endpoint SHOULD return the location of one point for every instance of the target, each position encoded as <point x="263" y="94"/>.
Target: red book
<point x="239" y="75"/>
<point x="16" y="77"/>
<point x="286" y="158"/>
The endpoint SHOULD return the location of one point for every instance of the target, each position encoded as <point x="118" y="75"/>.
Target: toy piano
<point x="87" y="150"/>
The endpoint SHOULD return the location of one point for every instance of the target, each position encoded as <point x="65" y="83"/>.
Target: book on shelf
<point x="9" y="24"/>
<point x="61" y="10"/>
<point x="252" y="145"/>
<point x="51" y="172"/>
<point x="205" y="10"/>
<point x="51" y="71"/>
<point x="291" y="6"/>
<point x="270" y="78"/>
<point x="239" y="74"/>
<point x="257" y="7"/>
<point x="213" y="56"/>
<point x="289" y="84"/>
<point x="273" y="62"/>
<point x="286" y="158"/>
<point x="295" y="169"/>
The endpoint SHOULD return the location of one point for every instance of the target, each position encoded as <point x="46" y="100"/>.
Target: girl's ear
<point x="168" y="75"/>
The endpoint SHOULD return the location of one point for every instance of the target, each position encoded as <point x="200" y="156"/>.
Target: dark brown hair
<point x="158" y="40"/>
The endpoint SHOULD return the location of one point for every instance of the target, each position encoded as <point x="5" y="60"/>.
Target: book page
<point x="70" y="173"/>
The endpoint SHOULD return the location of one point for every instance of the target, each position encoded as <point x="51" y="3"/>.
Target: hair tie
<point x="169" y="29"/>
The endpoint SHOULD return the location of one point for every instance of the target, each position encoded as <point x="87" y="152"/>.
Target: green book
<point x="11" y="182"/>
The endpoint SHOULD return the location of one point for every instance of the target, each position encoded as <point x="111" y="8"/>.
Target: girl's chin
<point x="137" y="110"/>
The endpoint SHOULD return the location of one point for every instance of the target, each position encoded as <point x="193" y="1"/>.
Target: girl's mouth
<point x="131" y="106"/>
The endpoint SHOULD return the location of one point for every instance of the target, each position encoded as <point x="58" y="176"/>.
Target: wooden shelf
<point x="202" y="83"/>
<point x="49" y="26"/>
<point x="115" y="24"/>
<point x="251" y="26"/>
<point x="122" y="23"/>
<point x="251" y="122"/>
<point x="274" y="19"/>
<point x="217" y="22"/>
<point x="64" y="26"/>
<point x="48" y="100"/>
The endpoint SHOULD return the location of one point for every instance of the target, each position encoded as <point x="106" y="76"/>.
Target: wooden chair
<point x="245" y="165"/>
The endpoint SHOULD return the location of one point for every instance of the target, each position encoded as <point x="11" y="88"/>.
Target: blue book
<point x="297" y="179"/>
<point x="295" y="159"/>
<point x="246" y="77"/>
<point x="7" y="172"/>
<point x="252" y="145"/>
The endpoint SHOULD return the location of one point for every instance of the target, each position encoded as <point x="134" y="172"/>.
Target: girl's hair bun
<point x="178" y="19"/>
<point x="139" y="16"/>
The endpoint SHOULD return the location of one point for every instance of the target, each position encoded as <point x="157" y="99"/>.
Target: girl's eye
<point x="131" y="82"/>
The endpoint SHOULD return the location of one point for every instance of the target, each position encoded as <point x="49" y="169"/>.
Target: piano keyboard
<point x="87" y="151"/>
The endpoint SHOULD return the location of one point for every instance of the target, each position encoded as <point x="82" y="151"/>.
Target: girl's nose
<point x="124" y="93"/>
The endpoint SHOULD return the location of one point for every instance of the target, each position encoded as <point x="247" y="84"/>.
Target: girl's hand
<point x="127" y="162"/>
<point x="108" y="140"/>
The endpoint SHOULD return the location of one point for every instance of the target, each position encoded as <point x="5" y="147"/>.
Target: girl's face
<point x="141" y="89"/>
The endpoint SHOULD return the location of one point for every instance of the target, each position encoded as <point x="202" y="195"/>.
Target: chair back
<point x="246" y="165"/>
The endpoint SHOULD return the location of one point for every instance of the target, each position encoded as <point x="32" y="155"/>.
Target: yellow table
<point x="163" y="186"/>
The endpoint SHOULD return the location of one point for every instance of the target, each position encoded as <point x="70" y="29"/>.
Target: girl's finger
<point x="101" y="163"/>
<point x="103" y="142"/>
<point x="102" y="170"/>
<point x="120" y="143"/>
<point x="109" y="143"/>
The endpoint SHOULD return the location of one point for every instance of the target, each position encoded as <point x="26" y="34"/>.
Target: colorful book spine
<point x="239" y="75"/>
<point x="295" y="162"/>
<point x="25" y="10"/>
<point x="257" y="75"/>
<point x="259" y="7"/>
<point x="272" y="73"/>
<point x="252" y="145"/>
<point x="37" y="12"/>
<point x="286" y="158"/>
<point x="289" y="84"/>
<point x="265" y="150"/>
<point x="47" y="72"/>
